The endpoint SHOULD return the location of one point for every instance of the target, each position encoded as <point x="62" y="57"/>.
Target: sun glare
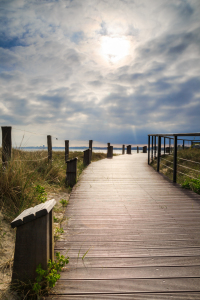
<point x="114" y="48"/>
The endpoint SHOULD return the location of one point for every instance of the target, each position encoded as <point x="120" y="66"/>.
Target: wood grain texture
<point x="130" y="234"/>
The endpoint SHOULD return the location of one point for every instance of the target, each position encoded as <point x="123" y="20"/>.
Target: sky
<point x="107" y="70"/>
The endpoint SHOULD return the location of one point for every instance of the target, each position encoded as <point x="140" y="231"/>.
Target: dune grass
<point x="28" y="169"/>
<point x="188" y="168"/>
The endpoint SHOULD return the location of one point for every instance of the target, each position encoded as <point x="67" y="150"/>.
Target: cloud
<point x="53" y="72"/>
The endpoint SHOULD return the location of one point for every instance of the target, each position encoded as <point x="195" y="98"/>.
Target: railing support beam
<point x="175" y="159"/>
<point x="148" y="150"/>
<point x="159" y="153"/>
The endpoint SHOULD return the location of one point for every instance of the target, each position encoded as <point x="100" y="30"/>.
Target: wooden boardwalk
<point x="142" y="234"/>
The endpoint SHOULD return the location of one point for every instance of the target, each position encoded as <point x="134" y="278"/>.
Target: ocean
<point x="94" y="149"/>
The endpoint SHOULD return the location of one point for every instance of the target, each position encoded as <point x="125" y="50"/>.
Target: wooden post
<point x="110" y="152"/>
<point x="90" y="146"/>
<point x="145" y="149"/>
<point x="148" y="149"/>
<point x="66" y="150"/>
<point x="175" y="158"/>
<point x="71" y="171"/>
<point x="34" y="243"/>
<point x="108" y="144"/>
<point x="128" y="149"/>
<point x="152" y="149"/>
<point x="6" y="143"/>
<point x="169" y="145"/>
<point x="159" y="152"/>
<point x="49" y="145"/>
<point x="183" y="144"/>
<point x="87" y="157"/>
<point x="123" y="149"/>
<point x="137" y="149"/>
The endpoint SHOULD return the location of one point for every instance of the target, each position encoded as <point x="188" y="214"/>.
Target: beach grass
<point x="188" y="168"/>
<point x="29" y="169"/>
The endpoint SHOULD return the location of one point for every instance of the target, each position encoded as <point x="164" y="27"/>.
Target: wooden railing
<point x="154" y="147"/>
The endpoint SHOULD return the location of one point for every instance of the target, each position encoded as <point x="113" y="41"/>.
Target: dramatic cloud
<point x="110" y="70"/>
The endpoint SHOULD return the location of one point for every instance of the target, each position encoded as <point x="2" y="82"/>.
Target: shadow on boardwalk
<point x="142" y="234"/>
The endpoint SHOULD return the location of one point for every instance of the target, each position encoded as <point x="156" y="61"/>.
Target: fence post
<point x="128" y="149"/>
<point x="137" y="149"/>
<point x="148" y="149"/>
<point x="175" y="158"/>
<point x="6" y="143"/>
<point x="90" y="146"/>
<point x="66" y="150"/>
<point x="164" y="145"/>
<point x="155" y="146"/>
<point x="123" y="149"/>
<point x="108" y="144"/>
<point x="183" y="144"/>
<point x="49" y="145"/>
<point x="87" y="157"/>
<point x="145" y="149"/>
<point x="152" y="149"/>
<point x="34" y="240"/>
<point x="71" y="171"/>
<point x="159" y="152"/>
<point x="110" y="152"/>
<point x="169" y="145"/>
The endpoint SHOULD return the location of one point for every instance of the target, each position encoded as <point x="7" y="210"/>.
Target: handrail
<point x="154" y="151"/>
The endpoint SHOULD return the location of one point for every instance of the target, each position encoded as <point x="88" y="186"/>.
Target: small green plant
<point x="47" y="278"/>
<point x="192" y="184"/>
<point x="40" y="190"/>
<point x="64" y="202"/>
<point x="58" y="232"/>
<point x="56" y="220"/>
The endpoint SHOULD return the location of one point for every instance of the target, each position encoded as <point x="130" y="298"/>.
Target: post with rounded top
<point x="123" y="149"/>
<point x="49" y="146"/>
<point x="145" y="149"/>
<point x="66" y="150"/>
<point x="71" y="173"/>
<point x="87" y="157"/>
<point x="90" y="146"/>
<point x="110" y="152"/>
<point x="34" y="242"/>
<point x="137" y="149"/>
<point x="128" y="149"/>
<point x="6" y="143"/>
<point x="108" y="144"/>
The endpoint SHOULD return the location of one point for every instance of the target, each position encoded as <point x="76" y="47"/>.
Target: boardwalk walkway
<point x="142" y="233"/>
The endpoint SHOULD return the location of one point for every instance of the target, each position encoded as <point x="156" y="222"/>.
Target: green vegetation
<point x="44" y="281"/>
<point x="64" y="202"/>
<point x="29" y="174"/>
<point x="188" y="168"/>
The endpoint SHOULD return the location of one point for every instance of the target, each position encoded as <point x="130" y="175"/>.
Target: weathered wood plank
<point x="128" y="285"/>
<point x="138" y="235"/>
<point x="131" y="296"/>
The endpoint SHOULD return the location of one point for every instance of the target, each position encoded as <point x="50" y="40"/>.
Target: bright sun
<point x="114" y="48"/>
